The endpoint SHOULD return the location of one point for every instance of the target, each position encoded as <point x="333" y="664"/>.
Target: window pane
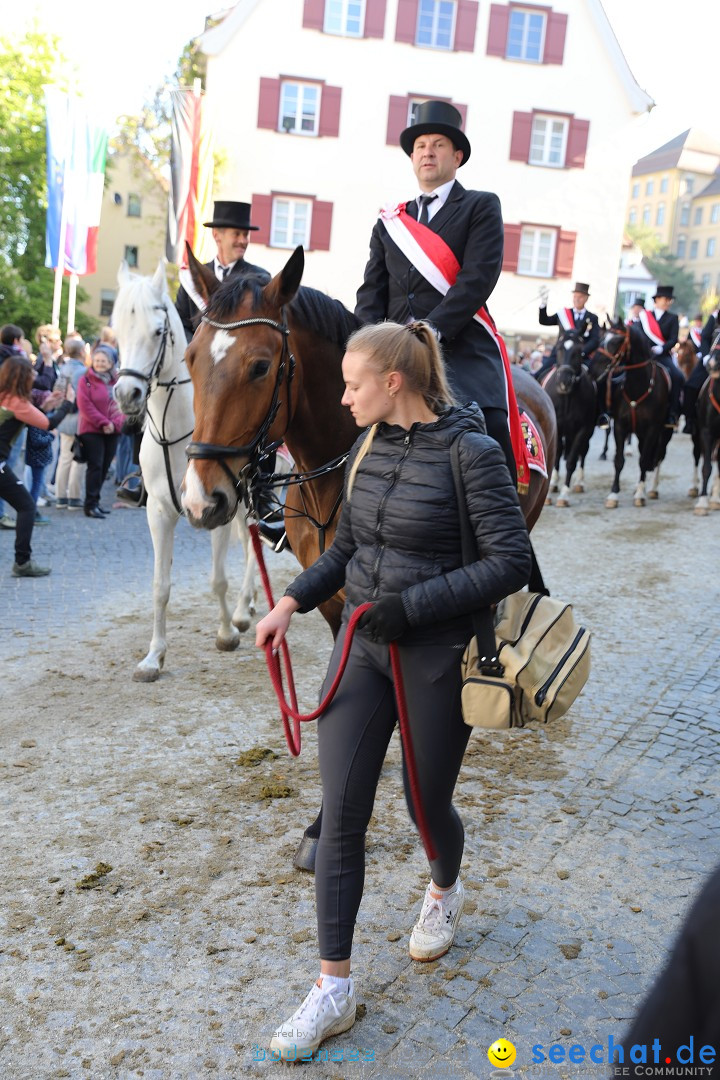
<point x="344" y="17"/>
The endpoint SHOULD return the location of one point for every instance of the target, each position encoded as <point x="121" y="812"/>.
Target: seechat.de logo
<point x="659" y="1062"/>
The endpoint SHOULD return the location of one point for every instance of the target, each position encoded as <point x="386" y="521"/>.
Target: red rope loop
<point x="289" y="710"/>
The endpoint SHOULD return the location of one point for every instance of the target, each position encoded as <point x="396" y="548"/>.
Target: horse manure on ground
<point x="248" y="758"/>
<point x="96" y="878"/>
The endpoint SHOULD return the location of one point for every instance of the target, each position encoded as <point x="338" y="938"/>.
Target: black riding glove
<point x="386" y="620"/>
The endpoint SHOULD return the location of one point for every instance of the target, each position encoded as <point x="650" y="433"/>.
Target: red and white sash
<point x="432" y="258"/>
<point x="696" y="336"/>
<point x="567" y="321"/>
<point x="651" y="327"/>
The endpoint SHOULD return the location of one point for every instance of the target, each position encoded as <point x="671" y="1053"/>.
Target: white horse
<point x="153" y="376"/>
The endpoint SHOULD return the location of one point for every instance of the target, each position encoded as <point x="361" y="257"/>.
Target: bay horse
<point x="637" y="389"/>
<point x="574" y="397"/>
<point x="706" y="434"/>
<point x="687" y="357"/>
<point x="265" y="363"/>
<point x="153" y="382"/>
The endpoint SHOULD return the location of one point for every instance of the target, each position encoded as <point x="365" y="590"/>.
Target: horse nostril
<point x="222" y="503"/>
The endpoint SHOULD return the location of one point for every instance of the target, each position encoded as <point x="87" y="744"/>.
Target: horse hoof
<point x="561" y="502"/>
<point x="548" y="500"/>
<point x="578" y="489"/>
<point x="227" y="644"/>
<point x="715" y="505"/>
<point x="306" y="854"/>
<point x="693" y="492"/>
<point x="701" y="511"/>
<point x="141" y="674"/>
<point x="638" y="502"/>
<point x="652" y="494"/>
<point x="241" y="624"/>
<point x="611" y="503"/>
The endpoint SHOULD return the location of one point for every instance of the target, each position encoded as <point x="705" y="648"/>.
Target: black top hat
<point x="638" y="300"/>
<point x="664" y="290"/>
<point x="436" y="118"/>
<point x="231" y="215"/>
<point x="583" y="287"/>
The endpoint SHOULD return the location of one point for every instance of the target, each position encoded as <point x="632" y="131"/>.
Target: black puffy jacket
<point x="400" y="530"/>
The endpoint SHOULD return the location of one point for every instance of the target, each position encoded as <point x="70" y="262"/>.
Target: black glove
<point x="385" y="620"/>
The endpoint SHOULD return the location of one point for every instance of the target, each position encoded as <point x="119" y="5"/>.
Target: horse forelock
<point x="226" y="299"/>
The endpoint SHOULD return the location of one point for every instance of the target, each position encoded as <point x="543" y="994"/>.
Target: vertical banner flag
<point x="76" y="152"/>
<point x="191" y="179"/>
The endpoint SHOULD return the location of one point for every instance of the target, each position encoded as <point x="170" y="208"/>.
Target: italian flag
<point x="76" y="152"/>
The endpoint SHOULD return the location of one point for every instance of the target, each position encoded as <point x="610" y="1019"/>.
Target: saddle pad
<point x="533" y="445"/>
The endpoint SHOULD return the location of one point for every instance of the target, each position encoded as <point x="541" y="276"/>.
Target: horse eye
<point x="259" y="368"/>
<point x="158" y="332"/>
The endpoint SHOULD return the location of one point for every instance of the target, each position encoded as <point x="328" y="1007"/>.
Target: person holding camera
<point x="17" y="379"/>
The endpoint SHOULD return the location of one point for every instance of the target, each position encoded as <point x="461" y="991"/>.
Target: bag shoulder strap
<point x="482" y="619"/>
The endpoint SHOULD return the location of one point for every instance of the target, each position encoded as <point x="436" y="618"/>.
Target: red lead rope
<point x="289" y="711"/>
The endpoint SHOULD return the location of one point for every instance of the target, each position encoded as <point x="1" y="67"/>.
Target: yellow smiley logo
<point x="501" y="1054"/>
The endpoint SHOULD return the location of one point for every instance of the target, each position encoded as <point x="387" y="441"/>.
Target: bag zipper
<point x="542" y="692"/>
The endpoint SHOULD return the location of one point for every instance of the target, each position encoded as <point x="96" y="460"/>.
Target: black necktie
<point x="225" y="271"/>
<point x="425" y="200"/>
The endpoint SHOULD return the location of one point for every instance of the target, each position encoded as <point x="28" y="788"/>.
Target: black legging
<point x="353" y="736"/>
<point x="99" y="450"/>
<point x="17" y="495"/>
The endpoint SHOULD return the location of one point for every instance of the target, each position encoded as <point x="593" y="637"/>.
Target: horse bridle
<point x="160" y="355"/>
<point x="257" y="448"/>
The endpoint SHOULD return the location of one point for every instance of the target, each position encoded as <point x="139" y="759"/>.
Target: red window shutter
<point x="330" y="111"/>
<point x="269" y="104"/>
<point x="466" y="25"/>
<point x="520" y="138"/>
<point x="314" y="14"/>
<point x="320" y="226"/>
<point x="565" y="254"/>
<point x="462" y="109"/>
<point x="512" y="247"/>
<point x="375" y="18"/>
<point x="261" y="216"/>
<point x="555" y="38"/>
<point x="397" y="119"/>
<point x="577" y="143"/>
<point x="406" y="25"/>
<point x="498" y="29"/>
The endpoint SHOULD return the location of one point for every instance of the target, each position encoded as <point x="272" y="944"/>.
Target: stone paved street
<point x="586" y="840"/>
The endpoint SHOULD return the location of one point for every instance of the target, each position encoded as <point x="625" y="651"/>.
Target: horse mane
<point x="639" y="342"/>
<point x="312" y="309"/>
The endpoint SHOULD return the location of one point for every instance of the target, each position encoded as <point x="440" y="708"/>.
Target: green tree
<point x="26" y="285"/>
<point x="667" y="268"/>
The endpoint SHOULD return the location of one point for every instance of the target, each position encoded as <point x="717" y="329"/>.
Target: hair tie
<point x="416" y="329"/>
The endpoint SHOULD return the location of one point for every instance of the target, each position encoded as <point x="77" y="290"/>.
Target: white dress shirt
<point x="442" y="193"/>
<point x="219" y="268"/>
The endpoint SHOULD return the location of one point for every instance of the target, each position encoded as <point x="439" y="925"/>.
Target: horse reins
<point x="289" y="710"/>
<point x="170" y="385"/>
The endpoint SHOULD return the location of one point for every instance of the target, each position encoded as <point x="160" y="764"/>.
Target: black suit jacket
<point x="670" y="326"/>
<point x="708" y="332"/>
<point x="188" y="309"/>
<point x="589" y="323"/>
<point x="471" y="224"/>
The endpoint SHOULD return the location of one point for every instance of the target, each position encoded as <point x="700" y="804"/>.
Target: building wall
<point x="705" y="265"/>
<point x="127" y="174"/>
<point x="357" y="171"/>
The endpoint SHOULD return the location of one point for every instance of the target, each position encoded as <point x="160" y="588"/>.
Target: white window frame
<point x="660" y="214"/>
<point x="337" y="17"/>
<point x="434" y="43"/>
<point x="632" y="216"/>
<point x="134" y="262"/>
<point x="134" y="200"/>
<point x="527" y="14"/>
<point x="663" y="185"/>
<point x="530" y="261"/>
<point x="710" y="248"/>
<point x="301" y="87"/>
<point x="681" y="251"/>
<point x="646" y="214"/>
<point x="694" y="245"/>
<point x="288" y="236"/>
<point x="649" y="187"/>
<point x="543" y="157"/>
<point x="715" y="213"/>
<point x="685" y="215"/>
<point x="698" y="215"/>
<point x="635" y="191"/>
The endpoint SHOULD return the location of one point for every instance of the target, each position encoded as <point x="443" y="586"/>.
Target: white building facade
<point x="308" y="97"/>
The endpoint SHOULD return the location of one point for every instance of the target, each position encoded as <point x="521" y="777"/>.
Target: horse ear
<point x="284" y="285"/>
<point x="159" y="281"/>
<point x="203" y="276"/>
<point x="123" y="274"/>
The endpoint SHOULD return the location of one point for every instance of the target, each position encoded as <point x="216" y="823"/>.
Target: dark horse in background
<point x="265" y="364"/>
<point x="706" y="435"/>
<point x="638" y="398"/>
<point x="574" y="397"/>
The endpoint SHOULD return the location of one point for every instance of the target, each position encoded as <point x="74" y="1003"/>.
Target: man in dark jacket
<point x="470" y="223"/>
<point x="231" y="230"/>
<point x="577" y="318"/>
<point x="708" y="333"/>
<point x="661" y="327"/>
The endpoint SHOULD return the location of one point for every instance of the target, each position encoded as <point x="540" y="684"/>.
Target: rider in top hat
<point x="661" y="328"/>
<point x="231" y="230"/>
<point x="577" y="318"/>
<point x="635" y="308"/>
<point x="396" y="287"/>
<point x="708" y="332"/>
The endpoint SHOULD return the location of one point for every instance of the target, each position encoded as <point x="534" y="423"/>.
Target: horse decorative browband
<point x="256" y="449"/>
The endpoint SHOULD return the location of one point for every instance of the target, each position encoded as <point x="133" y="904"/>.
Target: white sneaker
<point x="433" y="933"/>
<point x="323" y="1013"/>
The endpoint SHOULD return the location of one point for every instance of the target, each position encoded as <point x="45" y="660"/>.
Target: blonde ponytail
<point x="362" y="452"/>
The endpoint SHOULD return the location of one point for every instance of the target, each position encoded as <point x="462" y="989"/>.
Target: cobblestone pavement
<point x="586" y="840"/>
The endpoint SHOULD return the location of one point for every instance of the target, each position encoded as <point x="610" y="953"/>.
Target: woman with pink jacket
<point x="99" y="424"/>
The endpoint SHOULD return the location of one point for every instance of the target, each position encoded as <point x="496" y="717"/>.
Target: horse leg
<point x="694" y="489"/>
<point x="571" y="456"/>
<point x="647" y="460"/>
<point x="715" y="493"/>
<point x="245" y="607"/>
<point x="612" y="500"/>
<point x="603" y="456"/>
<point x="228" y="638"/>
<point x="161" y="522"/>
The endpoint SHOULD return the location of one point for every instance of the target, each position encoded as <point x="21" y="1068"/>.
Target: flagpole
<point x="60" y="268"/>
<point x="71" y="302"/>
